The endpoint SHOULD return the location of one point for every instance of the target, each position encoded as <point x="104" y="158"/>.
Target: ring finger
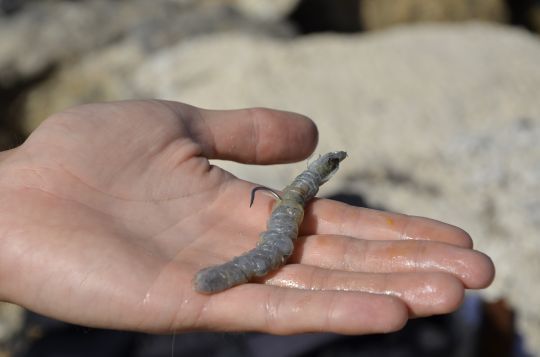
<point x="424" y="294"/>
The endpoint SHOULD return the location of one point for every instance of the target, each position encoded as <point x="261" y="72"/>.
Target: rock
<point x="377" y="14"/>
<point x="48" y="33"/>
<point x="439" y="120"/>
<point x="275" y="10"/>
<point x="11" y="321"/>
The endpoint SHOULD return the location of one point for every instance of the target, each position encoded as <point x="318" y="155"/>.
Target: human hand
<point x="109" y="210"/>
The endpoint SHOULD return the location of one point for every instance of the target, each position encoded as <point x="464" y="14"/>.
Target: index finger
<point x="325" y="216"/>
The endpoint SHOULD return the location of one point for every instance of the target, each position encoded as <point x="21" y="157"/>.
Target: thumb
<point x="253" y="136"/>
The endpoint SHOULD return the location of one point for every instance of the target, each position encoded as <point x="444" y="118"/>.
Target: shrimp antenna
<point x="258" y="188"/>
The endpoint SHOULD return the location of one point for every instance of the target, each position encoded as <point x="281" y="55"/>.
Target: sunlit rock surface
<point x="48" y="34"/>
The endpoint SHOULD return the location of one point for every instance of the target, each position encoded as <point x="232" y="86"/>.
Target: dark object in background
<point x="522" y="13"/>
<point x="432" y="336"/>
<point x="11" y="103"/>
<point x="497" y="336"/>
<point x="51" y="338"/>
<point x="9" y="7"/>
<point x="312" y="16"/>
<point x="323" y="15"/>
<point x="11" y="134"/>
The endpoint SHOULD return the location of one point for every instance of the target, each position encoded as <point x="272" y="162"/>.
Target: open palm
<point x="108" y="211"/>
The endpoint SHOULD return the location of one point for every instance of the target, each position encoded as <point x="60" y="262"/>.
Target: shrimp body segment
<point x="277" y="242"/>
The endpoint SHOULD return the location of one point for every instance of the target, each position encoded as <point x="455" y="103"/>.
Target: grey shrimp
<point x="276" y="243"/>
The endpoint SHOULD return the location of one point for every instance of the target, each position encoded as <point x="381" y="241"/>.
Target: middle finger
<point x="350" y="254"/>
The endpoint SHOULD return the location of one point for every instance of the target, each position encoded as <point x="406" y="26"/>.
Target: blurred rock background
<point x="437" y="103"/>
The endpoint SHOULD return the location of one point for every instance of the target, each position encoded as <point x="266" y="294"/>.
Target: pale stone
<point x="47" y="32"/>
<point x="50" y="33"/>
<point x="266" y="10"/>
<point x="11" y="322"/>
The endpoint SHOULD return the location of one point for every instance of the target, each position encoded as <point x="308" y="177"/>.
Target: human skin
<point x="108" y="211"/>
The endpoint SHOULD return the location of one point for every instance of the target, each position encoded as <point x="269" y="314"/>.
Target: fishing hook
<point x="258" y="188"/>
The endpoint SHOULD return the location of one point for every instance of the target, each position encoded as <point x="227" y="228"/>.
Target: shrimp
<point x="277" y="242"/>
